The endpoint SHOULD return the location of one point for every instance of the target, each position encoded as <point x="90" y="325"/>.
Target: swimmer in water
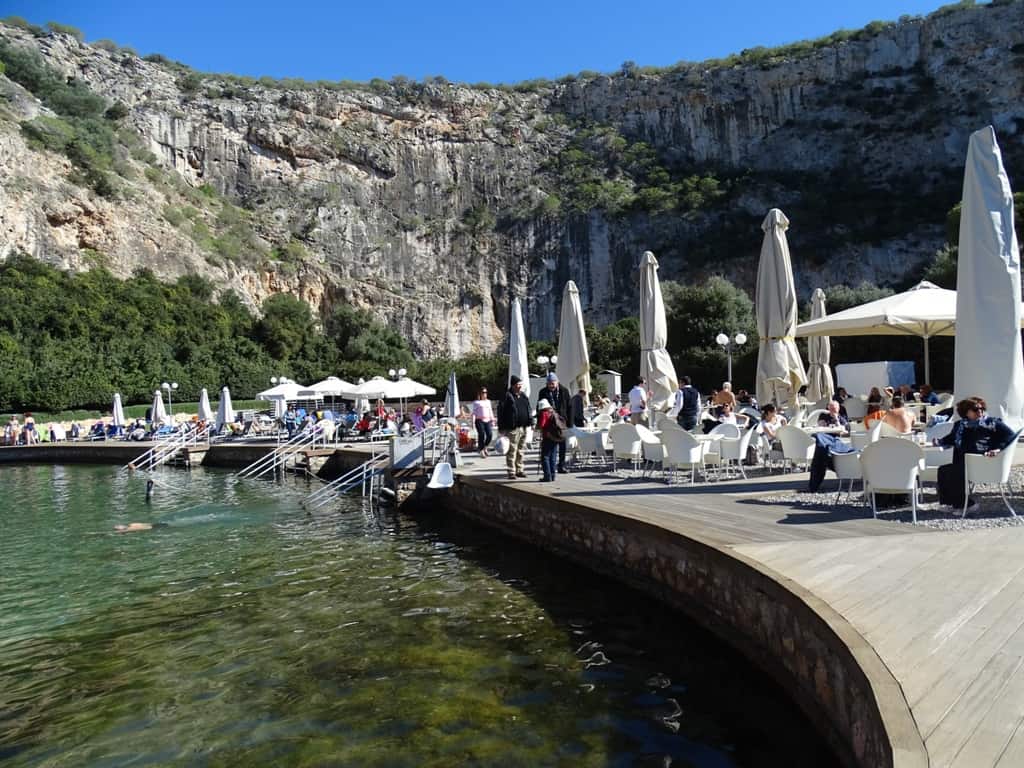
<point x="131" y="527"/>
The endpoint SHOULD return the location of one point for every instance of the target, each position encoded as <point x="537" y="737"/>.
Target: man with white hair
<point x="725" y="395"/>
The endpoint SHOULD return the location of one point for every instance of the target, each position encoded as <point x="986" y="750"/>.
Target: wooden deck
<point x="943" y="610"/>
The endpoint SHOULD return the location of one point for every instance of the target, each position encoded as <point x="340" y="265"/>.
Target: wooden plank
<point x="954" y="730"/>
<point x="990" y="739"/>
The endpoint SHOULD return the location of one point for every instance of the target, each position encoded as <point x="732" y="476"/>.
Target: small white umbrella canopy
<point x="452" y="407"/>
<point x="924" y="311"/>
<point x="158" y="413"/>
<point x="518" y="364"/>
<point x="387" y="389"/>
<point x="987" y="356"/>
<point x="332" y="386"/>
<point x="573" y="366"/>
<point x="225" y="411"/>
<point x="288" y="390"/>
<point x="780" y="371"/>
<point x="819" y="352"/>
<point x="117" y="412"/>
<point x="205" y="413"/>
<point x="655" y="364"/>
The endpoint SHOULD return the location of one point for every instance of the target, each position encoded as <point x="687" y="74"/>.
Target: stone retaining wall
<point x="828" y="668"/>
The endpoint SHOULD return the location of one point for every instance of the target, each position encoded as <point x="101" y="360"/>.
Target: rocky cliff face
<point x="425" y="202"/>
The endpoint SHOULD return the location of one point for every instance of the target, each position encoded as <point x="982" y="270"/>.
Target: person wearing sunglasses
<point x="975" y="432"/>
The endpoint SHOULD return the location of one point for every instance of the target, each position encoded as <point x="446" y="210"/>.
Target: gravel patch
<point x="990" y="512"/>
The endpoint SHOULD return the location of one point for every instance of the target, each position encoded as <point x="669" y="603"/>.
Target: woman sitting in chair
<point x="974" y="433"/>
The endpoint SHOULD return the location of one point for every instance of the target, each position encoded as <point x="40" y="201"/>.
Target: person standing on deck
<point x="482" y="419"/>
<point x="514" y="418"/>
<point x="638" y="402"/>
<point x="687" y="404"/>
<point x="558" y="398"/>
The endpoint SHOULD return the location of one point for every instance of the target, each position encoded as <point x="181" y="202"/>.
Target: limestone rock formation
<point x="434" y="204"/>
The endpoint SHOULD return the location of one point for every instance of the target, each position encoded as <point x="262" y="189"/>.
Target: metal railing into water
<point x="279" y="456"/>
<point x="363" y="476"/>
<point x="167" y="449"/>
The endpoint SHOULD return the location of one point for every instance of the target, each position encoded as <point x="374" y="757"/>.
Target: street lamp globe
<point x="392" y="372"/>
<point x="554" y="359"/>
<point x="722" y="339"/>
<point x="165" y="385"/>
<point x="401" y="372"/>
<point x="741" y="338"/>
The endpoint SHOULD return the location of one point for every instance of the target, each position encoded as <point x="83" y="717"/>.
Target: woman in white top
<point x="483" y="418"/>
<point x="771" y="421"/>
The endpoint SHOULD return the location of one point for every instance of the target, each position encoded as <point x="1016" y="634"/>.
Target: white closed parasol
<point x="780" y="371"/>
<point x="655" y="364"/>
<point x="987" y="358"/>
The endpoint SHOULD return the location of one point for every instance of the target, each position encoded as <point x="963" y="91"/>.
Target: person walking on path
<point x="514" y="418"/>
<point x="483" y="417"/>
<point x="558" y="398"/>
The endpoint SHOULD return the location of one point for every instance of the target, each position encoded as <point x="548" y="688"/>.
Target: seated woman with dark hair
<point x="973" y="433"/>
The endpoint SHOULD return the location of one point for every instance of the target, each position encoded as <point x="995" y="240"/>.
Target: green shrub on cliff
<point x="602" y="170"/>
<point x="82" y="131"/>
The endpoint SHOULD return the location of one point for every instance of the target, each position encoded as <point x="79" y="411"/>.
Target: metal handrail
<point x="164" y="450"/>
<point x="281" y="454"/>
<point x="346" y="482"/>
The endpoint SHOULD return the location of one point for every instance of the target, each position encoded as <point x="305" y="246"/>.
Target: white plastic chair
<point x="797" y="445"/>
<point x="590" y="444"/>
<point x="979" y="468"/>
<point x="732" y="450"/>
<point x="650" y="447"/>
<point x="713" y="457"/>
<point x="855" y="408"/>
<point x="938" y="431"/>
<point x="892" y="466"/>
<point x="847" y="467"/>
<point x="626" y="444"/>
<point x="442" y="476"/>
<point x="812" y="417"/>
<point x="683" y="451"/>
<point x="887" y="430"/>
<point x="747" y="410"/>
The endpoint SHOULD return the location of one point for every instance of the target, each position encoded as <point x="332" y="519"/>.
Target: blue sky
<point x="463" y="40"/>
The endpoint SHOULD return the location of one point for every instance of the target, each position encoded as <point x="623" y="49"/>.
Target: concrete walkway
<point x="943" y="610"/>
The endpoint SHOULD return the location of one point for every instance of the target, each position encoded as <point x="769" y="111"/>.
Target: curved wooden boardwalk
<point x="943" y="611"/>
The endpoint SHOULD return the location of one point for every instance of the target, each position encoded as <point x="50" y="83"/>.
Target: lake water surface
<point x="249" y="633"/>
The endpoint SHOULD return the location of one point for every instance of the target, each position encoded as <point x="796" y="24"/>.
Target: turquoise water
<point x="248" y="633"/>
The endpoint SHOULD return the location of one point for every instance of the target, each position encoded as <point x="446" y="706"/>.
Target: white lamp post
<point x="545" y="361"/>
<point x="729" y="344"/>
<point x="172" y="387"/>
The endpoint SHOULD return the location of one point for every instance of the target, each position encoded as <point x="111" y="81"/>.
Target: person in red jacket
<point x="548" y="447"/>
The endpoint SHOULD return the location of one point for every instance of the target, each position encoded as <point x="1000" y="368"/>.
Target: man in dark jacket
<point x="514" y="417"/>
<point x="559" y="397"/>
